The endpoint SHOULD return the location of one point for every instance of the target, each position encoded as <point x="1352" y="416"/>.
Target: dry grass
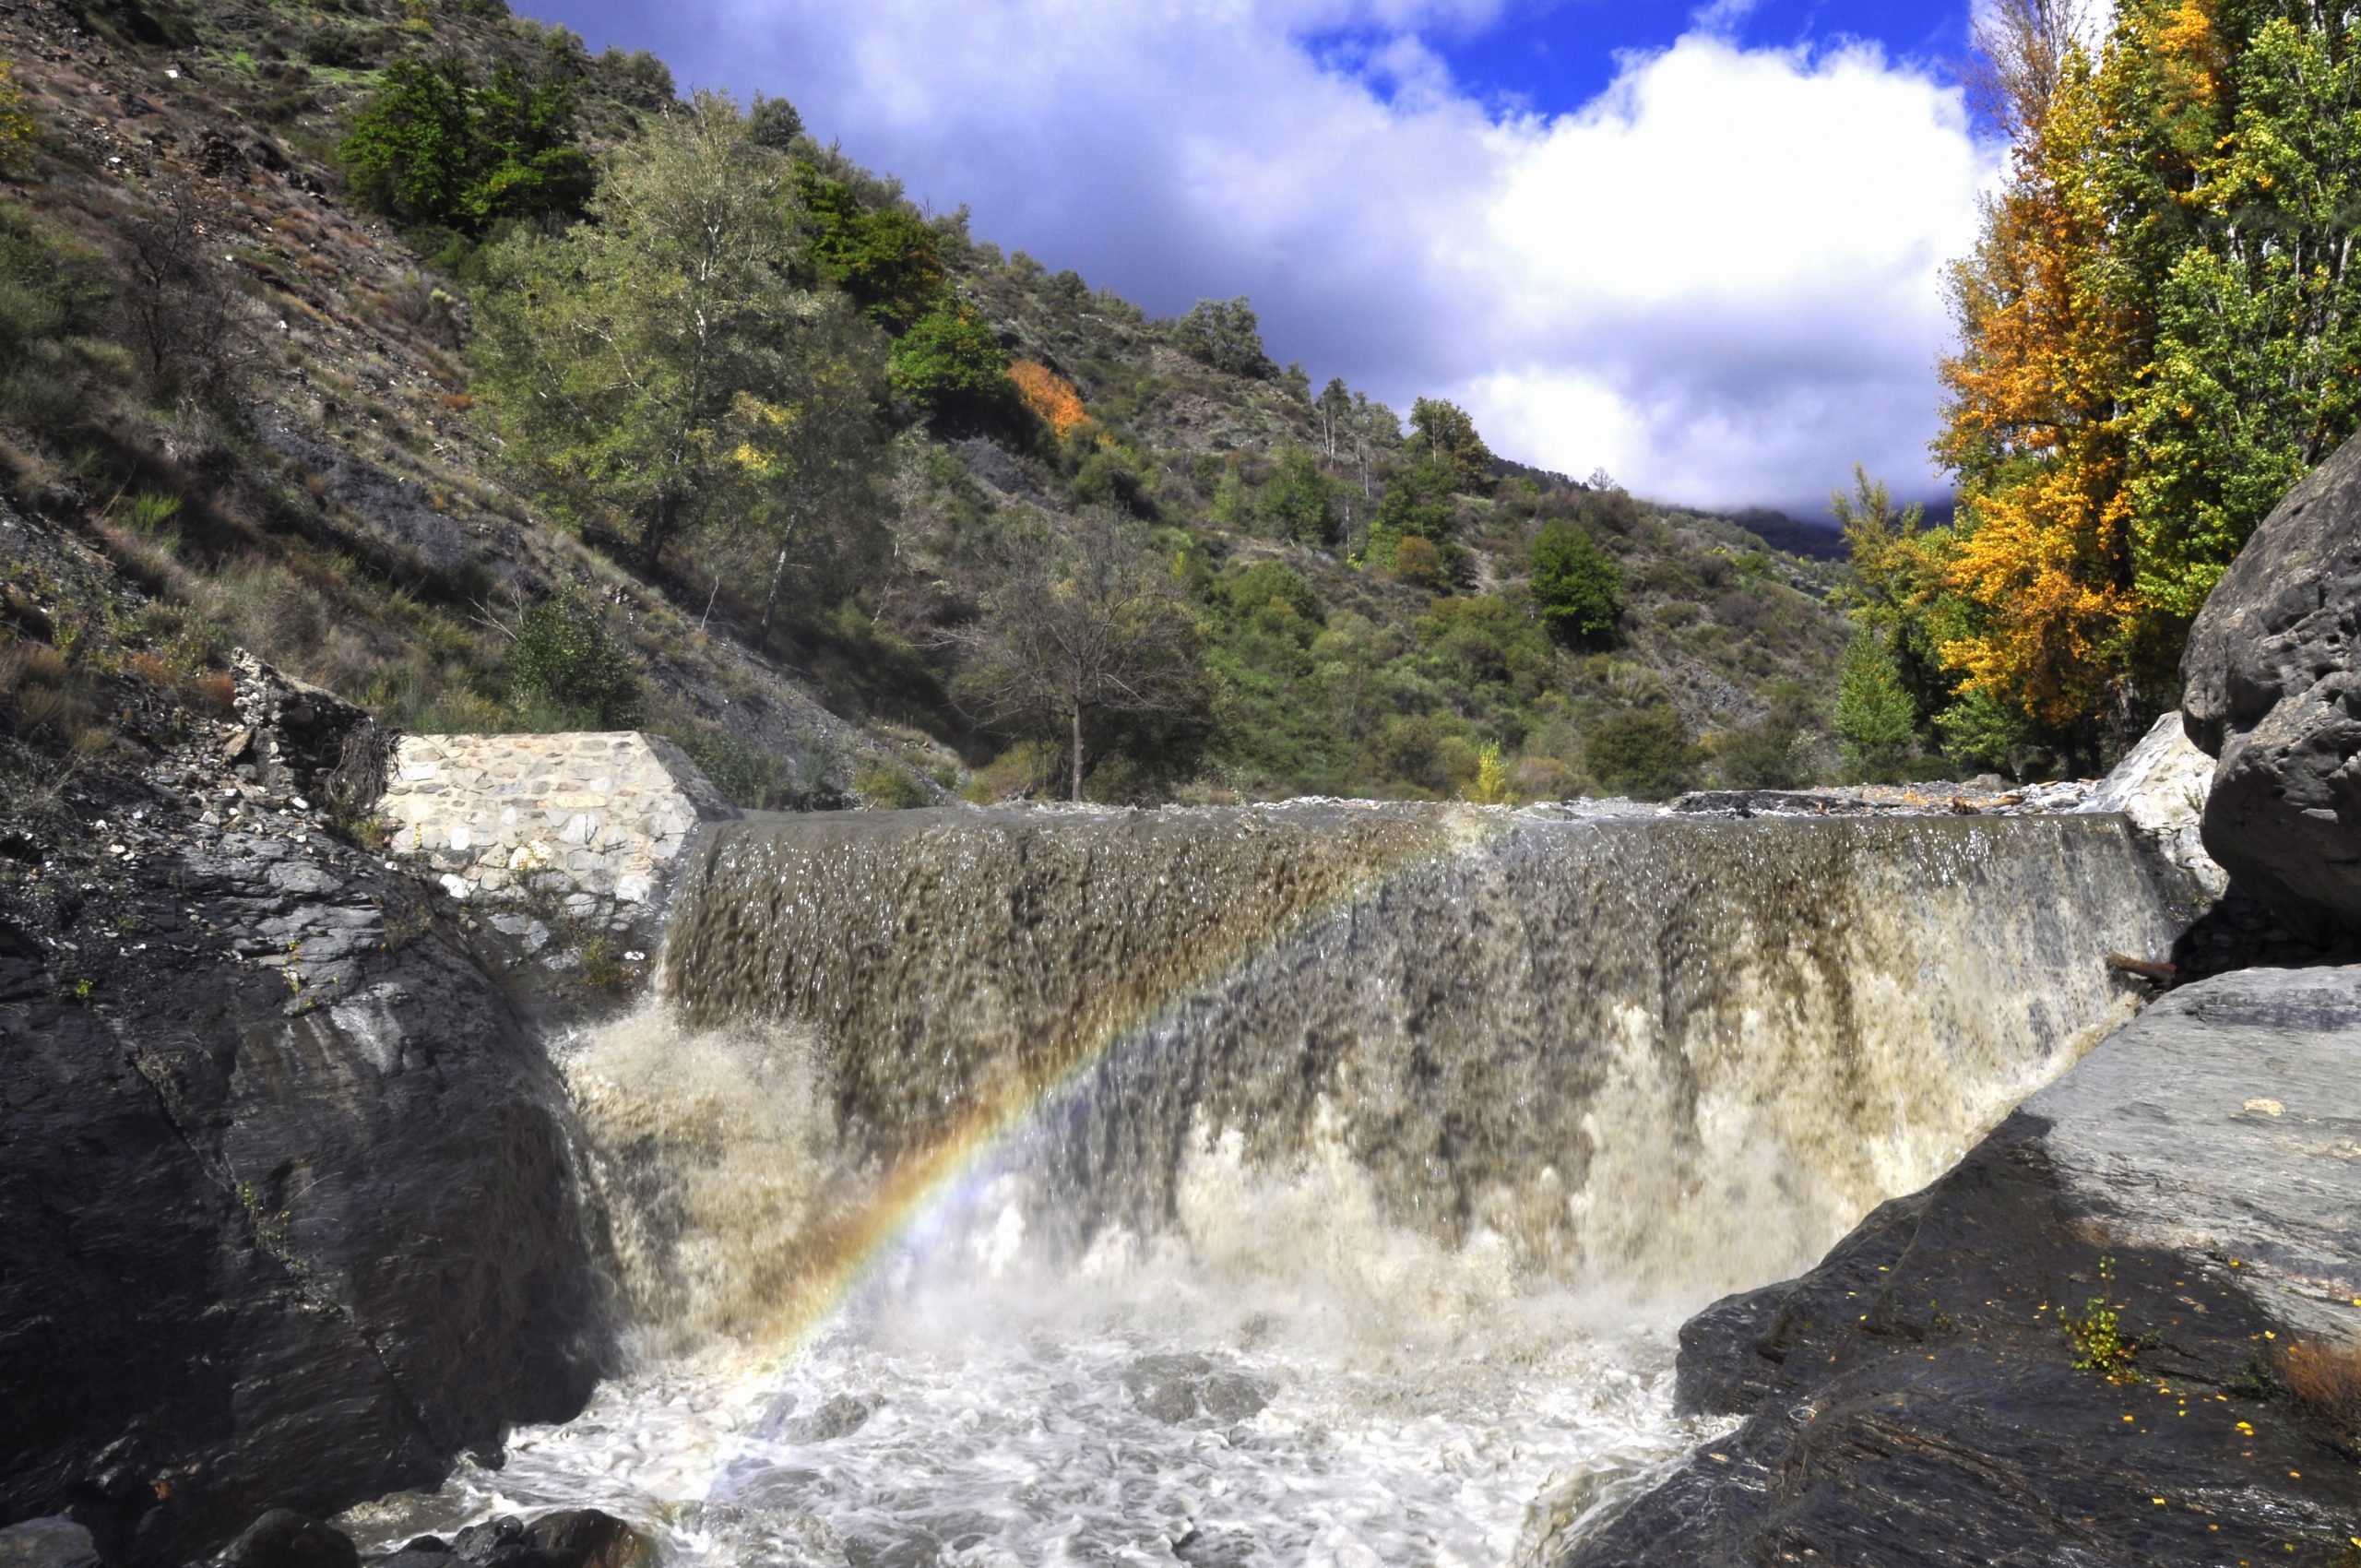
<point x="2327" y="1378"/>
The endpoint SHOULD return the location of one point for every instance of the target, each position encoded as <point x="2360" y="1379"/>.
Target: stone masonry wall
<point x="593" y="822"/>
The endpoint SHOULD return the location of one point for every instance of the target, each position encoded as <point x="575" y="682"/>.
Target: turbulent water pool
<point x="1294" y="1384"/>
<point x="1260" y="1187"/>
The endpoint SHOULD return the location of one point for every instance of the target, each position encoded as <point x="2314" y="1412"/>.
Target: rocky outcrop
<point x="287" y="1216"/>
<point x="2162" y="785"/>
<point x="2272" y="692"/>
<point x="1936" y="1392"/>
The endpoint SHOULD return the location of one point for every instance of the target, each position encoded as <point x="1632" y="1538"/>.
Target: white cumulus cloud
<point x="1720" y="279"/>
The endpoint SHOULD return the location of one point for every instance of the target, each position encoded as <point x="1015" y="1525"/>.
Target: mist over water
<point x="1310" y="1185"/>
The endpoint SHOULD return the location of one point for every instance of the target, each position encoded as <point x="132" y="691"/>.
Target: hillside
<point x="249" y="375"/>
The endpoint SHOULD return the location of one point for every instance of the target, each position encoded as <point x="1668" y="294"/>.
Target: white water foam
<point x="1282" y="1377"/>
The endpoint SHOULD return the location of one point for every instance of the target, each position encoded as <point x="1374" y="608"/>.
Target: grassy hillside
<point x="255" y="375"/>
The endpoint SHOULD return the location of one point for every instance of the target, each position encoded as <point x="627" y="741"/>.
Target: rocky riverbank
<point x="287" y="1216"/>
<point x="2086" y="1344"/>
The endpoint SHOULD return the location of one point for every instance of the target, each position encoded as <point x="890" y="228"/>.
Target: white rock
<point x="2162" y="786"/>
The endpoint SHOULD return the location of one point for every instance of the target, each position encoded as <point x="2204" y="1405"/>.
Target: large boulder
<point x="287" y="1214"/>
<point x="2272" y="694"/>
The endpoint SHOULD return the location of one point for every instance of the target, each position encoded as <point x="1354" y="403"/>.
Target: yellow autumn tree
<point x="2040" y="563"/>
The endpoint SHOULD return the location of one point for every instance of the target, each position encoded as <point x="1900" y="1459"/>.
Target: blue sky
<point x="1697" y="245"/>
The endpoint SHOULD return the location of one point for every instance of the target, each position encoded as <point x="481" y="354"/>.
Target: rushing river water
<point x="1303" y="1185"/>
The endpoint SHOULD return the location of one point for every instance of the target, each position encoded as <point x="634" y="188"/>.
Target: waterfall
<point x="1671" y="1054"/>
<point x="1314" y="1183"/>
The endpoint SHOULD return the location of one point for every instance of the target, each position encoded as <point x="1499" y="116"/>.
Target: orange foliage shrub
<point x="1047" y="394"/>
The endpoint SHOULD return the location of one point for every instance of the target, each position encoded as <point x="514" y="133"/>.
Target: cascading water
<point x="1310" y="1184"/>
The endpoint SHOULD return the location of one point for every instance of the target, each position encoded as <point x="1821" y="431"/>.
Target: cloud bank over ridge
<point x="1719" y="279"/>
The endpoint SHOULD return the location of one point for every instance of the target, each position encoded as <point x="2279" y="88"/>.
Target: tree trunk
<point x="652" y="537"/>
<point x="770" y="600"/>
<point x="1078" y="753"/>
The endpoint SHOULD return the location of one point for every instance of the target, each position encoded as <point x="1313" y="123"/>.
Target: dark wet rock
<point x="481" y="1543"/>
<point x="2271" y="691"/>
<point x="1217" y="1549"/>
<point x="47" y="1543"/>
<point x="571" y="1537"/>
<point x="1915" y="1400"/>
<point x="287" y="1217"/>
<point x="840" y="1416"/>
<point x="1178" y="1389"/>
<point x="585" y="1537"/>
<point x="282" y="1539"/>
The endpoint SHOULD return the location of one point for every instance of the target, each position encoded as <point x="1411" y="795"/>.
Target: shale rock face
<point x="2274" y="693"/>
<point x="1917" y="1399"/>
<point x="285" y="1211"/>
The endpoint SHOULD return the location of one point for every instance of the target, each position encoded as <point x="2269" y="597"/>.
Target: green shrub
<point x="435" y="148"/>
<point x="882" y="786"/>
<point x="1642" y="752"/>
<point x="1252" y="591"/>
<point x="949" y="361"/>
<point x="1875" y="718"/>
<point x="16" y="124"/>
<point x="1420" y="564"/>
<point x="748" y="776"/>
<point x="1419" y="502"/>
<point x="566" y="663"/>
<point x="1578" y="587"/>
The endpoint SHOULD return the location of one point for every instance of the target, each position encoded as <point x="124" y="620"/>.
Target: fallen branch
<point x="2160" y="973"/>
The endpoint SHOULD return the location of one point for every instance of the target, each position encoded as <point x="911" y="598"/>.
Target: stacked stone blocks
<point x="595" y="821"/>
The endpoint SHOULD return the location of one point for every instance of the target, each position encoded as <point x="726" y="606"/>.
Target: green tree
<point x="1299" y="499"/>
<point x="773" y="123"/>
<point x="1072" y="627"/>
<point x="1419" y="502"/>
<point x="1898" y="587"/>
<point x="1575" y="583"/>
<point x="1443" y="434"/>
<point x="950" y="362"/>
<point x="434" y="147"/>
<point x="631" y="360"/>
<point x="1334" y="410"/>
<point x="1226" y="335"/>
<point x="888" y="260"/>
<point x="1875" y="717"/>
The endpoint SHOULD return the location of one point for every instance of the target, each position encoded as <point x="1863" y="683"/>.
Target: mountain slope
<point x="257" y="398"/>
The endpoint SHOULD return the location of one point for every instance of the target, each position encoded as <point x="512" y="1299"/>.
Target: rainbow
<point x="927" y="1184"/>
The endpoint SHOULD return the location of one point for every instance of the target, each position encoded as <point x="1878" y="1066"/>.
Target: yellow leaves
<point x="1048" y="395"/>
<point x="16" y="124"/>
<point x="760" y="421"/>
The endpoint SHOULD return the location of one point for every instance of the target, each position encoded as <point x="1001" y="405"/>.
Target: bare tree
<point x="1075" y="623"/>
<point x="182" y="308"/>
<point x="2021" y="50"/>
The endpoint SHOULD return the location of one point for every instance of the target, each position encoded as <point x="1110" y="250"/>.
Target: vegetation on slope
<point x="523" y="394"/>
